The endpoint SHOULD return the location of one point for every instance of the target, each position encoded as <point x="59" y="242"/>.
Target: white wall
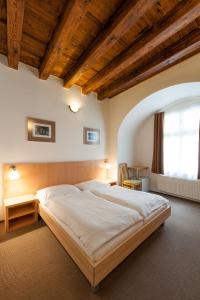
<point x="22" y="94"/>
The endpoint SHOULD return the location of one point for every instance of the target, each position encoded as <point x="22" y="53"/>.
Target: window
<point x="181" y="140"/>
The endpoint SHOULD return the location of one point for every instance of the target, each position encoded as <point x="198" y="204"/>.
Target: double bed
<point x="101" y="226"/>
<point x="98" y="225"/>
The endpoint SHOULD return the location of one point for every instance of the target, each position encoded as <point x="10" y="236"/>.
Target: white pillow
<point x="44" y="195"/>
<point x="90" y="185"/>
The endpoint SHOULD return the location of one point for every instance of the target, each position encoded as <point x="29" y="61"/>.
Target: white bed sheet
<point x="109" y="246"/>
<point x="145" y="203"/>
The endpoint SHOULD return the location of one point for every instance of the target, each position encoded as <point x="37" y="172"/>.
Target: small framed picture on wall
<point x="41" y="130"/>
<point x="91" y="136"/>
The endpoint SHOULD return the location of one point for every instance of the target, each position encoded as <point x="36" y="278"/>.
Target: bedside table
<point x="110" y="181"/>
<point x="20" y="211"/>
<point x="113" y="183"/>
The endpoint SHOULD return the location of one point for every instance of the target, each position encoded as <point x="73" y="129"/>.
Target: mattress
<point x="106" y="248"/>
<point x="109" y="246"/>
<point x="95" y="224"/>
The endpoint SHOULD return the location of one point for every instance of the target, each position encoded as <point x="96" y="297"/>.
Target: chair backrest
<point x="123" y="171"/>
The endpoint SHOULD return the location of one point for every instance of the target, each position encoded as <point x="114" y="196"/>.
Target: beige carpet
<point x="33" y="265"/>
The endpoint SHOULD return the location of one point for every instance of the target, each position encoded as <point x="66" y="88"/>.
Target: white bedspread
<point x="94" y="221"/>
<point x="144" y="203"/>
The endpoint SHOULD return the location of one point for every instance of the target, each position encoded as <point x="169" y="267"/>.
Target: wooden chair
<point x="125" y="179"/>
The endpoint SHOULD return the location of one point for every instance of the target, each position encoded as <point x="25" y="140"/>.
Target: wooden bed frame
<point x="35" y="176"/>
<point x="39" y="175"/>
<point x="96" y="272"/>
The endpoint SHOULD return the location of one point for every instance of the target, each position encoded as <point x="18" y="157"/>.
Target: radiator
<point x="189" y="189"/>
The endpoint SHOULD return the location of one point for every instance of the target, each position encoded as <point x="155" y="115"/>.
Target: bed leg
<point x="95" y="289"/>
<point x="163" y="224"/>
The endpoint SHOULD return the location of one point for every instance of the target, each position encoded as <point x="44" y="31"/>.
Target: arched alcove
<point x="135" y="135"/>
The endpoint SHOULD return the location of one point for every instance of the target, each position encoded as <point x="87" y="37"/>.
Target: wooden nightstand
<point x="113" y="182"/>
<point x="109" y="181"/>
<point x="20" y="211"/>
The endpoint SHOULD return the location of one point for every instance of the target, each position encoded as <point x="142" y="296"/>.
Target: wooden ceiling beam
<point x="15" y="17"/>
<point x="129" y="15"/>
<point x="184" y="14"/>
<point x="74" y="11"/>
<point x="181" y="50"/>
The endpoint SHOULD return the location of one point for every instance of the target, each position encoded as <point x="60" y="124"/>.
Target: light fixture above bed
<point x="107" y="166"/>
<point x="14" y="174"/>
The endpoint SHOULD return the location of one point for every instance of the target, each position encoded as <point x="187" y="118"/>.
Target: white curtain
<point x="181" y="140"/>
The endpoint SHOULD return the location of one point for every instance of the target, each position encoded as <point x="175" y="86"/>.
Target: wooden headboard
<point x="34" y="176"/>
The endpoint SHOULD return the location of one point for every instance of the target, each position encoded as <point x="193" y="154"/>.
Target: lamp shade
<point x="14" y="174"/>
<point x="107" y="166"/>
<point x="74" y="107"/>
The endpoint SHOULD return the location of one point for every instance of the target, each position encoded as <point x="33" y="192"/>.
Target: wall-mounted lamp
<point x="107" y="167"/>
<point x="14" y="174"/>
<point x="74" y="107"/>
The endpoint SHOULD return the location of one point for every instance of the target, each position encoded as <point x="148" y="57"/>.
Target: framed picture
<point x="91" y="136"/>
<point x="41" y="130"/>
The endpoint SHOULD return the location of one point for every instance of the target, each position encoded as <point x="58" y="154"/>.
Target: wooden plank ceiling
<point x="104" y="46"/>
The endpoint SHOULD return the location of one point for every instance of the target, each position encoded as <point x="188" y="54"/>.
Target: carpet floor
<point x="34" y="266"/>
